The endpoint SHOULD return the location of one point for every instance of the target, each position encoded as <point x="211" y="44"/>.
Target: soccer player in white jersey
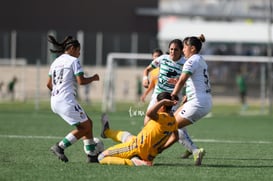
<point x="65" y="72"/>
<point x="198" y="91"/>
<point x="170" y="67"/>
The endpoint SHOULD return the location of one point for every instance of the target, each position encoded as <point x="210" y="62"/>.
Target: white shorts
<point x="194" y="109"/>
<point x="68" y="109"/>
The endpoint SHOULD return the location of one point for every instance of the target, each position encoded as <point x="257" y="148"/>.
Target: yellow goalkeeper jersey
<point x="154" y="75"/>
<point x="154" y="135"/>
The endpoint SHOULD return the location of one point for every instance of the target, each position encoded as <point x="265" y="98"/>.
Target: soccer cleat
<point x="105" y="124"/>
<point x="198" y="156"/>
<point x="59" y="152"/>
<point x="92" y="159"/>
<point x="186" y="154"/>
<point x="139" y="162"/>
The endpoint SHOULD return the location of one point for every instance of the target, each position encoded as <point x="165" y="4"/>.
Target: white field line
<point x="231" y="141"/>
<point x="195" y="140"/>
<point x="29" y="137"/>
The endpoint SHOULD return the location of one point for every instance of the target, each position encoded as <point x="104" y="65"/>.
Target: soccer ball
<point x="99" y="146"/>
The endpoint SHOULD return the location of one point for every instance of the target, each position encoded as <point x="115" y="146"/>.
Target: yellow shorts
<point x="124" y="150"/>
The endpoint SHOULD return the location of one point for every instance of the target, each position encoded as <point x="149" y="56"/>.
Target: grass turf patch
<point x="238" y="147"/>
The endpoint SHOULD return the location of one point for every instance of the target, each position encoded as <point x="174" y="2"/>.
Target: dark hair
<point x="61" y="47"/>
<point x="165" y="95"/>
<point x="178" y="42"/>
<point x="195" y="41"/>
<point x="157" y="50"/>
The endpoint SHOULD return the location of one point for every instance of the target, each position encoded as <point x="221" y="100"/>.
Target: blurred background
<point x="118" y="37"/>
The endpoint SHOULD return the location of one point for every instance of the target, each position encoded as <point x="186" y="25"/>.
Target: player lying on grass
<point x="150" y="141"/>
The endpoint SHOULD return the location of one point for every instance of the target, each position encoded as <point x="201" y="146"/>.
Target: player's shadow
<point x="243" y="159"/>
<point x="214" y="165"/>
<point x="236" y="166"/>
<point x="270" y="161"/>
<point x="204" y="164"/>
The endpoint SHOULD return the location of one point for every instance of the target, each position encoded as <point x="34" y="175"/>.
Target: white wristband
<point x="145" y="78"/>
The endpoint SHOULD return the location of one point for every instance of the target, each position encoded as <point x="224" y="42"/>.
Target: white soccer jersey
<point x="63" y="71"/>
<point x="63" y="102"/>
<point x="168" y="69"/>
<point x="198" y="84"/>
<point x="199" y="101"/>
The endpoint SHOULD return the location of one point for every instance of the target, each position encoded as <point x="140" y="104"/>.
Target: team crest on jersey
<point x="172" y="73"/>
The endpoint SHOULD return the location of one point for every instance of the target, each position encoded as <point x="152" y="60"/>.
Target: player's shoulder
<point x="162" y="58"/>
<point x="165" y="56"/>
<point x="182" y="59"/>
<point x="66" y="58"/>
<point x="196" y="57"/>
<point x="166" y="118"/>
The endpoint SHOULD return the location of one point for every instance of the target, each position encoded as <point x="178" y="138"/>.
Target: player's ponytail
<point x="61" y="47"/>
<point x="202" y="38"/>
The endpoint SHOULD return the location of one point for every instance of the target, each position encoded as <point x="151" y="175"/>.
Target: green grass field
<point x="238" y="147"/>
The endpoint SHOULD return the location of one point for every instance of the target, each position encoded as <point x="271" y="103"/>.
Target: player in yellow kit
<point x="150" y="141"/>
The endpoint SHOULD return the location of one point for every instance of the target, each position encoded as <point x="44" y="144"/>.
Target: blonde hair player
<point x="65" y="72"/>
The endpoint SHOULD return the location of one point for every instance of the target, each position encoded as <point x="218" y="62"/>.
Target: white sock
<point x="67" y="141"/>
<point x="89" y="146"/>
<point x="185" y="140"/>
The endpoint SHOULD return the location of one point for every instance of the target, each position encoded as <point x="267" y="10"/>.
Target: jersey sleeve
<point x="156" y="62"/>
<point x="77" y="68"/>
<point x="189" y="66"/>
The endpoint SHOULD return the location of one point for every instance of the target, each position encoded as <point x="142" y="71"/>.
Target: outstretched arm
<point x="149" y="89"/>
<point x="181" y="82"/>
<point x="86" y="80"/>
<point x="145" y="81"/>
